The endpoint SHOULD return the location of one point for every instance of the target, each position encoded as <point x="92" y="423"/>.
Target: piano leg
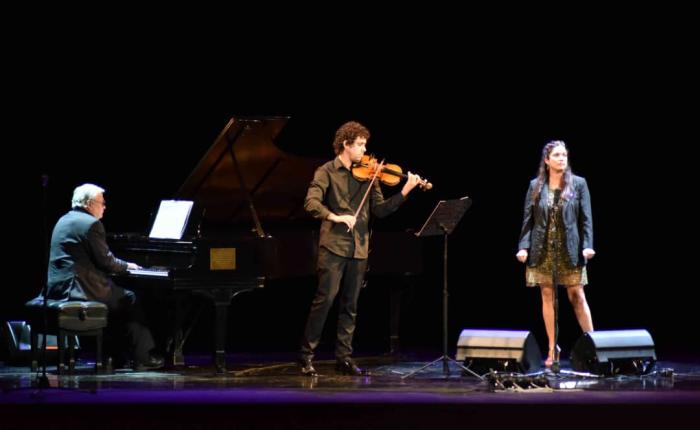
<point x="183" y="333"/>
<point x="178" y="355"/>
<point x="222" y="300"/>
<point x="179" y="316"/>
<point x="400" y="294"/>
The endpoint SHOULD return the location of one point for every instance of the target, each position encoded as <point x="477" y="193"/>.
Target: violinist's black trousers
<point x="332" y="269"/>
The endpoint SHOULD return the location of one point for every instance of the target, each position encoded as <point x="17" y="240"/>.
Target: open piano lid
<point x="245" y="178"/>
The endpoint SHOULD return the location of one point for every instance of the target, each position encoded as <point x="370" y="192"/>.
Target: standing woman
<point x="557" y="233"/>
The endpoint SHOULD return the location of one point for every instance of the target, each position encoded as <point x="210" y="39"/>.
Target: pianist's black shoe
<point x="120" y="361"/>
<point x="306" y="367"/>
<point x="154" y="362"/>
<point x="348" y="367"/>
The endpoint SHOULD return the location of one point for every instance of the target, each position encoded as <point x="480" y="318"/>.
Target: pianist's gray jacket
<point x="80" y="259"/>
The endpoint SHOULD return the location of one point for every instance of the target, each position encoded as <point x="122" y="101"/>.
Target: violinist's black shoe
<point x="348" y="367"/>
<point x="306" y="367"/>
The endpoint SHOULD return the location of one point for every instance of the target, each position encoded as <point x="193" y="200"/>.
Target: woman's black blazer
<point x="577" y="221"/>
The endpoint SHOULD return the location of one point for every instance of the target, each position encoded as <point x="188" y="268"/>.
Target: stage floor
<point x="267" y="389"/>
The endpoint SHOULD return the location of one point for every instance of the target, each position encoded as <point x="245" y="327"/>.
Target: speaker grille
<point x="506" y="350"/>
<point x="614" y="352"/>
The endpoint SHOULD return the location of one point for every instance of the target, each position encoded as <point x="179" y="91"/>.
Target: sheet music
<point x="171" y="219"/>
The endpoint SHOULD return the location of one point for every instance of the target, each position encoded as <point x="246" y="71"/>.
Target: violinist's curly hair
<point x="349" y="132"/>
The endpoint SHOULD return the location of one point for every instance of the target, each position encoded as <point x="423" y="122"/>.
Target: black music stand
<point x="442" y="221"/>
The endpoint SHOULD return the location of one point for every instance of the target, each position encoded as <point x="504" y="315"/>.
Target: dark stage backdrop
<point x="141" y="135"/>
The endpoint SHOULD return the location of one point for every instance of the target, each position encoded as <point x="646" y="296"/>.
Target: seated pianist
<point x="79" y="264"/>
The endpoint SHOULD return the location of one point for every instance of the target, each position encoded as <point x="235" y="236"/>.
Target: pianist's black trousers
<point x="127" y="326"/>
<point x="332" y="270"/>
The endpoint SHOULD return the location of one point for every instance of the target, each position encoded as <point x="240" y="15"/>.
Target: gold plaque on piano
<point x="222" y="258"/>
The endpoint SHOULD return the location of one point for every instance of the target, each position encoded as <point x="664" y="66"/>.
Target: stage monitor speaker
<point x="16" y="342"/>
<point x="614" y="352"/>
<point x="501" y="350"/>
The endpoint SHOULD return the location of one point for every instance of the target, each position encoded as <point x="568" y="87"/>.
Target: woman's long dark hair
<point x="543" y="173"/>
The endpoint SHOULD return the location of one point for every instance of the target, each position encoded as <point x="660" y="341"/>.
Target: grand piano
<point x="243" y="184"/>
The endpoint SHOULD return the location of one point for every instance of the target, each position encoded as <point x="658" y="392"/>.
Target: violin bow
<point x="371" y="183"/>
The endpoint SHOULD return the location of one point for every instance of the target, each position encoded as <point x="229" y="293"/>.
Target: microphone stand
<point x="42" y="380"/>
<point x="555" y="283"/>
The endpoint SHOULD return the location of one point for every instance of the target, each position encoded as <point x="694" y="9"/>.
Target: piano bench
<point x="66" y="320"/>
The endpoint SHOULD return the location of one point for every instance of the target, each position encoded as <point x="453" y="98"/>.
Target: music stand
<point x="442" y="221"/>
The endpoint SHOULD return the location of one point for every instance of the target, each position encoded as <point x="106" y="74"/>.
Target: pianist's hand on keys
<point x="150" y="271"/>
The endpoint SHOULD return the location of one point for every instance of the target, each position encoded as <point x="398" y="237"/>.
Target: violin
<point x="389" y="174"/>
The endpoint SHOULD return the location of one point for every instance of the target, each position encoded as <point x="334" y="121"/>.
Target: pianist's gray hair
<point x="84" y="193"/>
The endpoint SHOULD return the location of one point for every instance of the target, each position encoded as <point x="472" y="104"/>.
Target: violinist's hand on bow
<point x="348" y="220"/>
<point x="411" y="183"/>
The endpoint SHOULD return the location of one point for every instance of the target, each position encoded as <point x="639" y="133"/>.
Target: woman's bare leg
<point x="577" y="297"/>
<point x="547" y="293"/>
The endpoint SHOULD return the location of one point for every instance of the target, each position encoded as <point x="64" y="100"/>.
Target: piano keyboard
<point x="162" y="272"/>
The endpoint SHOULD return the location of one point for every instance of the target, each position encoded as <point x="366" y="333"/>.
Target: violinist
<point x="343" y="204"/>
